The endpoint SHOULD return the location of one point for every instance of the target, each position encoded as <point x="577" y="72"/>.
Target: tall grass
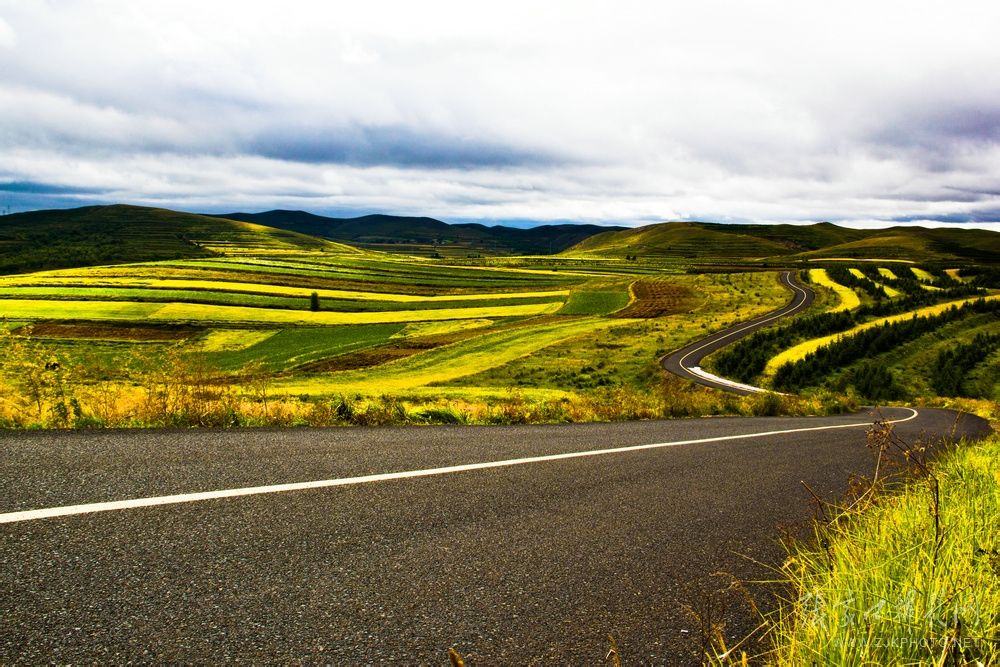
<point x="903" y="575"/>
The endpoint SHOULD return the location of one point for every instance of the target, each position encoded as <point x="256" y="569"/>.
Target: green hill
<point x="681" y="240"/>
<point x="918" y="244"/>
<point x="116" y="234"/>
<point x="700" y="240"/>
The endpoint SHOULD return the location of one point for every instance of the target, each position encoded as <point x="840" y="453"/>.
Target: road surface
<point x="684" y="362"/>
<point x="568" y="532"/>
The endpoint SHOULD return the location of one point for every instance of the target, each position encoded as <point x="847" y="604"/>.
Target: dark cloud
<point x="941" y="128"/>
<point x="34" y="188"/>
<point x="959" y="195"/>
<point x="396" y="146"/>
<point x="992" y="215"/>
<point x="978" y="193"/>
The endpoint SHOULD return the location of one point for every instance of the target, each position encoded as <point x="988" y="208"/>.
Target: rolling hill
<point x="380" y="230"/>
<point x="917" y="243"/>
<point x="682" y="240"/>
<point x="705" y="241"/>
<point x="116" y="234"/>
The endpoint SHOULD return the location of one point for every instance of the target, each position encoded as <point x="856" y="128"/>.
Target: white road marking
<point x="70" y="510"/>
<point x="705" y="375"/>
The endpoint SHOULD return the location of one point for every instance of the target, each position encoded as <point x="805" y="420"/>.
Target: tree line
<point x="883" y="338"/>
<point x="747" y="359"/>
<point x="954" y="363"/>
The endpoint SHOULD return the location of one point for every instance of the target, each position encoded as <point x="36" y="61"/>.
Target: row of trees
<point x="817" y="365"/>
<point x="846" y="278"/>
<point x="953" y="364"/>
<point x="745" y="360"/>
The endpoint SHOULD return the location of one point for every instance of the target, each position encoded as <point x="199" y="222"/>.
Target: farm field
<point x="304" y="327"/>
<point x="847" y="299"/>
<point x="272" y="326"/>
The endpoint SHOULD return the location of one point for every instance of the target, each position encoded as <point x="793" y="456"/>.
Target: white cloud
<point x="617" y="112"/>
<point x="7" y="36"/>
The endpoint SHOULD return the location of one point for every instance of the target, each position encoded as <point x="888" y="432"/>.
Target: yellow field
<point x="888" y="273"/>
<point x="924" y="275"/>
<point x="802" y="349"/>
<point x="228" y="340"/>
<point x="196" y="312"/>
<point x="954" y="274"/>
<point x="257" y="288"/>
<point x="449" y="362"/>
<point x="438" y="328"/>
<point x="889" y="292"/>
<point x="865" y="259"/>
<point x="848" y="300"/>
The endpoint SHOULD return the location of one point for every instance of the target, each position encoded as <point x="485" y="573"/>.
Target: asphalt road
<point x="528" y="561"/>
<point x="684" y="362"/>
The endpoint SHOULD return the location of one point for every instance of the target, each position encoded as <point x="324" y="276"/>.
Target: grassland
<point x="114" y="234"/>
<point x="289" y="348"/>
<point x="905" y="576"/>
<point x="595" y="302"/>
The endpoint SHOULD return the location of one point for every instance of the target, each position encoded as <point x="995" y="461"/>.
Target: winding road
<point x="520" y="544"/>
<point x="684" y="362"/>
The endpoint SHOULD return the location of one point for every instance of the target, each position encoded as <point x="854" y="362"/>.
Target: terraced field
<point x="326" y="324"/>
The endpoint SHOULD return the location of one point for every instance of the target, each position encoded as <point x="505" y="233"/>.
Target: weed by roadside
<point x="905" y="571"/>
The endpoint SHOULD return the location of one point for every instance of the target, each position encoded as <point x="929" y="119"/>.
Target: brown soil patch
<point x="656" y="297"/>
<point x="375" y="356"/>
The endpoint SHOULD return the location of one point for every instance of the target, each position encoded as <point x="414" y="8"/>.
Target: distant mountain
<point x="92" y="235"/>
<point x="380" y="230"/>
<point x="703" y="240"/>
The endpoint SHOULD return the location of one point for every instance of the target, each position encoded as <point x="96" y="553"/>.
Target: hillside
<point x="381" y="230"/>
<point x="116" y="234"/>
<point x="699" y="240"/>
<point x="681" y="240"/>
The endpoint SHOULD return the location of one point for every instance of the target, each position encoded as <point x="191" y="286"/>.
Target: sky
<point x="862" y="113"/>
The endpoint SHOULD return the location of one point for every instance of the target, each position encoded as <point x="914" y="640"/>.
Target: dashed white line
<point x="135" y="503"/>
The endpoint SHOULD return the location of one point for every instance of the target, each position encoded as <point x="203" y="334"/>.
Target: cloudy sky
<point x="620" y="112"/>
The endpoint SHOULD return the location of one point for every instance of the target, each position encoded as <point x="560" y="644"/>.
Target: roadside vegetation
<point x="905" y="571"/>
